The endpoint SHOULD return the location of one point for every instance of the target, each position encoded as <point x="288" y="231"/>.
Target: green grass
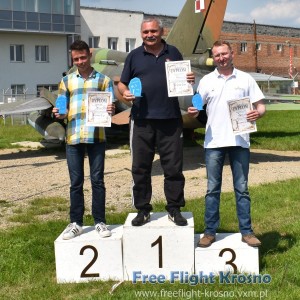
<point x="17" y="133"/>
<point x="27" y="269"/>
<point x="27" y="261"/>
<point x="283" y="106"/>
<point x="277" y="130"/>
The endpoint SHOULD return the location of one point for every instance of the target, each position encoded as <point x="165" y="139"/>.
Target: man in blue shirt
<point x="156" y="123"/>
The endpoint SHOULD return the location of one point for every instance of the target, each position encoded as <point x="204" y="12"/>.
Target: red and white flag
<point x="199" y="5"/>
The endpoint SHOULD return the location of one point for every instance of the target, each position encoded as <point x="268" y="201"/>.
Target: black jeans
<point x="165" y="136"/>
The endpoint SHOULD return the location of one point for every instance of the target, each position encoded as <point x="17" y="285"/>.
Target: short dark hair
<point x="79" y="46"/>
<point x="221" y="43"/>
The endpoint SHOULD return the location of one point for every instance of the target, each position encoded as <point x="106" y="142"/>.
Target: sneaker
<point x="71" y="231"/>
<point x="141" y="218"/>
<point x="206" y="240"/>
<point x="102" y="230"/>
<point x="176" y="217"/>
<point x="251" y="240"/>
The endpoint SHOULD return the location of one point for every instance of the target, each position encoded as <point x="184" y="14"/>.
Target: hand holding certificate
<point x="176" y="78"/>
<point x="238" y="115"/>
<point x="96" y="109"/>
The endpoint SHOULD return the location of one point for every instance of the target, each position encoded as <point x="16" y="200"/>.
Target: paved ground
<point x="28" y="174"/>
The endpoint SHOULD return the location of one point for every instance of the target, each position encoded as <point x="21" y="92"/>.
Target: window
<point x="243" y="47"/>
<point x="130" y="44"/>
<point x="17" y="53"/>
<point x="112" y="43"/>
<point x="5" y="4"/>
<point x="32" y="5"/>
<point x="94" y="41"/>
<point x="279" y="47"/>
<point x="45" y="6"/>
<point x="17" y="89"/>
<point x="41" y="53"/>
<point x="69" y="7"/>
<point x="70" y="39"/>
<point x="258" y="46"/>
<point x="57" y="6"/>
<point x="19" y="5"/>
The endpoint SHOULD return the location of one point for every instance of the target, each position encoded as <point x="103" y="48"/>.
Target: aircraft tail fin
<point x="194" y="33"/>
<point x="51" y="97"/>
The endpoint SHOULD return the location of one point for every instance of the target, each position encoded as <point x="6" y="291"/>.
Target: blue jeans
<point x="239" y="162"/>
<point x="75" y="160"/>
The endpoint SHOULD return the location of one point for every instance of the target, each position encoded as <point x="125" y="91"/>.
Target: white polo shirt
<point x="215" y="91"/>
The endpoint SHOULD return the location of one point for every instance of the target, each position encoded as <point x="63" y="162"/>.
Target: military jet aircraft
<point x="192" y="33"/>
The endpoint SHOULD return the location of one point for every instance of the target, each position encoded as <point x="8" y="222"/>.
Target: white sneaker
<point x="102" y="230"/>
<point x="71" y="231"/>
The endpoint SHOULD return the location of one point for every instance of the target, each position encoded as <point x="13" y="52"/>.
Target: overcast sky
<point x="271" y="12"/>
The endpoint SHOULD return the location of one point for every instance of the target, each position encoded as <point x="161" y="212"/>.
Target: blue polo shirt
<point x="154" y="102"/>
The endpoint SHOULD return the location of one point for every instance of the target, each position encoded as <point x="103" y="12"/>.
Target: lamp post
<point x="291" y="59"/>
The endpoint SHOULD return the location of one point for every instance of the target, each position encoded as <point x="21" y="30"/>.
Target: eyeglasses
<point x="151" y="30"/>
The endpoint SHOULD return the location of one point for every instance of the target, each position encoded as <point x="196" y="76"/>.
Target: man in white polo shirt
<point x="223" y="84"/>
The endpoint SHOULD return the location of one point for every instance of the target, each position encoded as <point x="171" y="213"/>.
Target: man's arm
<point x="124" y="91"/>
<point x="258" y="111"/>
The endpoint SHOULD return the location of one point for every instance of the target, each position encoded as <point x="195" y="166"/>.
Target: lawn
<point x="27" y="260"/>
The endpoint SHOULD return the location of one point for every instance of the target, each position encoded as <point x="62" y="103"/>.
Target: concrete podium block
<point x="89" y="257"/>
<point x="227" y="254"/>
<point x="157" y="248"/>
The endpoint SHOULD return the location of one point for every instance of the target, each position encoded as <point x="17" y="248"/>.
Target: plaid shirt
<point x="75" y="88"/>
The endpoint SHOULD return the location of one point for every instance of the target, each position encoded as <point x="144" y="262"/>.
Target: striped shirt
<point x="75" y="88"/>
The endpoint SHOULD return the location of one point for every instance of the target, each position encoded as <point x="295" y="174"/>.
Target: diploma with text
<point x="238" y="115"/>
<point x="96" y="109"/>
<point x="176" y="78"/>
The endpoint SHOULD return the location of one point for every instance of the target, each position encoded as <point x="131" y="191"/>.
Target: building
<point x="264" y="48"/>
<point x="112" y="29"/>
<point x="35" y="35"/>
<point x="258" y="48"/>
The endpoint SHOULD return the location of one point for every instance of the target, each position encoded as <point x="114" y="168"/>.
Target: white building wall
<point x="32" y="73"/>
<point x="111" y="23"/>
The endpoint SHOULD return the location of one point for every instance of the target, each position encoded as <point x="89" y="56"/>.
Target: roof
<point x="268" y="77"/>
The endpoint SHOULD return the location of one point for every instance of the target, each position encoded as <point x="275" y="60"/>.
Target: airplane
<point x="192" y="33"/>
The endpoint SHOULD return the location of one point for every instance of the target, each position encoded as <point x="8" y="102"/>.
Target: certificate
<point x="176" y="78"/>
<point x="96" y="109"/>
<point x="238" y="115"/>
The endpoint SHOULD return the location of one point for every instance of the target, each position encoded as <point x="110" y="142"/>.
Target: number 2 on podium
<point x="84" y="271"/>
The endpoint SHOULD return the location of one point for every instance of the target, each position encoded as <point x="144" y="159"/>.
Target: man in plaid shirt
<point x="81" y="139"/>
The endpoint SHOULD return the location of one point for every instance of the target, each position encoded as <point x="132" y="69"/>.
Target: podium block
<point x="89" y="257"/>
<point x="228" y="253"/>
<point x="158" y="248"/>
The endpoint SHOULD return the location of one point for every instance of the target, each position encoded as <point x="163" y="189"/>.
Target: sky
<point x="270" y="12"/>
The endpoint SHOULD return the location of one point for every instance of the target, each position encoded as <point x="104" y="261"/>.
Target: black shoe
<point x="141" y="218"/>
<point x="176" y="217"/>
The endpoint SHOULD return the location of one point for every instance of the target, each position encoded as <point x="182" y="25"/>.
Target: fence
<point x="9" y="97"/>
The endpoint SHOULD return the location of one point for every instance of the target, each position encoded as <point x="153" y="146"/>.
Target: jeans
<point x="239" y="162"/>
<point x="75" y="160"/>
